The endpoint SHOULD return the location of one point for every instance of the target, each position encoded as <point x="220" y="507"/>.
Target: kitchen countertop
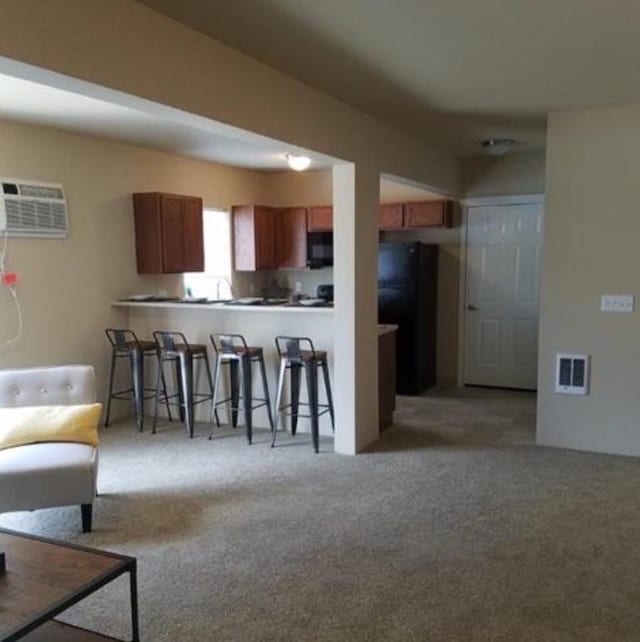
<point x="386" y="328"/>
<point x="296" y="308"/>
<point x="382" y="328"/>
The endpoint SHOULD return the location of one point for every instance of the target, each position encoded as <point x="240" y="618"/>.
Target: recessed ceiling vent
<point x="33" y="209"/>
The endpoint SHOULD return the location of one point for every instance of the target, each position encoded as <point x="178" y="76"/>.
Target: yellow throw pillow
<point x="35" y="424"/>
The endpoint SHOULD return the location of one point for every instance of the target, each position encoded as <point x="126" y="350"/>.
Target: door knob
<point x="472" y="308"/>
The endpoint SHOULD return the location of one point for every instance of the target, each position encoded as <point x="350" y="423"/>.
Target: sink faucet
<point x="225" y="280"/>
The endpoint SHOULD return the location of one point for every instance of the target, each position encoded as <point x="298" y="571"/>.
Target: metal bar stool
<point x="296" y="354"/>
<point x="174" y="347"/>
<point x="126" y="345"/>
<point x="232" y="350"/>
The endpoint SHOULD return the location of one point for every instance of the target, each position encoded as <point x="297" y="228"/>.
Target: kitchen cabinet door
<point x="291" y="237"/>
<point x="168" y="229"/>
<point x="391" y="216"/>
<point x="148" y="231"/>
<point x="320" y="219"/>
<point x="265" y="238"/>
<point x="254" y="240"/>
<point x="172" y="234"/>
<point x="192" y="236"/>
<point x="428" y="214"/>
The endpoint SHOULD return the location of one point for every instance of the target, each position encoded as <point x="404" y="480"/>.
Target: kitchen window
<point x="215" y="281"/>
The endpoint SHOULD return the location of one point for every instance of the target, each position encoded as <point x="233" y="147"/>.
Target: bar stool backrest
<point x="293" y="347"/>
<point x="169" y="340"/>
<point x="228" y="344"/>
<point x="122" y="340"/>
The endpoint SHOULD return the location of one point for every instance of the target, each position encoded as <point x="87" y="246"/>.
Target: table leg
<point x="133" y="587"/>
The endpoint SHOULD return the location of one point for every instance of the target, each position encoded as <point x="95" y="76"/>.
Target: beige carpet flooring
<point x="453" y="527"/>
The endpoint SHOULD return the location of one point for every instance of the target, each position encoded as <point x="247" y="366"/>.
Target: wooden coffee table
<point x="45" y="577"/>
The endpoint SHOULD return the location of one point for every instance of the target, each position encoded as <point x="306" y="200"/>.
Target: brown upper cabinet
<point x="391" y="216"/>
<point x="320" y="219"/>
<point x="269" y="238"/>
<point x="428" y="214"/>
<point x="168" y="230"/>
<point x="291" y="237"/>
<point x="254" y="239"/>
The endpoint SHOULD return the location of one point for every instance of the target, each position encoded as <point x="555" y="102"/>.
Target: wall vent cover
<point x="33" y="209"/>
<point x="572" y="374"/>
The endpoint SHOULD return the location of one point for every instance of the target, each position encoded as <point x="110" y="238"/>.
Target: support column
<point x="356" y="198"/>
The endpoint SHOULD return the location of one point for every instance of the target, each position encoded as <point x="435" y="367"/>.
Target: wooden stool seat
<point x="232" y="351"/>
<point x="144" y="346"/>
<point x="297" y="354"/>
<point x="173" y="346"/>
<point x="319" y="356"/>
<point x="195" y="348"/>
<point x="125" y="344"/>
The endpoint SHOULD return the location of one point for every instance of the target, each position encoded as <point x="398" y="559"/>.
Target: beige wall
<point x="65" y="286"/>
<point x="161" y="60"/>
<point x="591" y="237"/>
<point x="509" y="175"/>
<point x="291" y="188"/>
<point x="123" y="45"/>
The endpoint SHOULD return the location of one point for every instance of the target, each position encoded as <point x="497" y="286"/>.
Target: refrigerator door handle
<point x="472" y="308"/>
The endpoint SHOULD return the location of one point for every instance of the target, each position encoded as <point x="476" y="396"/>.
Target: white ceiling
<point x="452" y="71"/>
<point x="125" y="118"/>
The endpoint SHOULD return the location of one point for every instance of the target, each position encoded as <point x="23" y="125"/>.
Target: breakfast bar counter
<point x="219" y="306"/>
<point x="259" y="324"/>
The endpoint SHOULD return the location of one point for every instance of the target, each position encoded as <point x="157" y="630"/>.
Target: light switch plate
<point x="616" y="303"/>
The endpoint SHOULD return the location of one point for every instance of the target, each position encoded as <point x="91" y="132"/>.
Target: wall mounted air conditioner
<point x="32" y="209"/>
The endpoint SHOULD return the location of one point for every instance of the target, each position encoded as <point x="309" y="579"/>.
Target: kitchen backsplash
<point x="308" y="279"/>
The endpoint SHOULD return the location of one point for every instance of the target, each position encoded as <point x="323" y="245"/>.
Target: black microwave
<point x="319" y="249"/>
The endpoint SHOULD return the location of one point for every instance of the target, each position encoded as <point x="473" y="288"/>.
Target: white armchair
<point x="50" y="474"/>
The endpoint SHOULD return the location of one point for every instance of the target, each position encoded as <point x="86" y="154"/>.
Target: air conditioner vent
<point x="33" y="209"/>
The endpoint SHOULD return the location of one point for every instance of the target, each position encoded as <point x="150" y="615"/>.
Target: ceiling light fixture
<point x="497" y="146"/>
<point x="299" y="163"/>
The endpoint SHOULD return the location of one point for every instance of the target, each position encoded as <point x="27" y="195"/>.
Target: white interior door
<point x="501" y="306"/>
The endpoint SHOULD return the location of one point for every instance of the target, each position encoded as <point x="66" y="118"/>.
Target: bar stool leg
<point x="247" y="396"/>
<point x="234" y="382"/>
<point x="327" y="387"/>
<point x="276" y="419"/>
<point x="164" y="389"/>
<point x="110" y="391"/>
<point x="265" y="387"/>
<point x="311" y="372"/>
<point x="214" y="399"/>
<point x="137" y="375"/>
<point x="186" y="366"/>
<point x="210" y="382"/>
<point x="159" y="376"/>
<point x="180" y="388"/>
<point x="295" y="396"/>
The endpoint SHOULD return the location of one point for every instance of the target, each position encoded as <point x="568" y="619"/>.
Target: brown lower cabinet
<point x="386" y="378"/>
<point x="168" y="230"/>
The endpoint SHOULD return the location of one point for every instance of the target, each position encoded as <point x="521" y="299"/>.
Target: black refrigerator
<point x="407" y="290"/>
